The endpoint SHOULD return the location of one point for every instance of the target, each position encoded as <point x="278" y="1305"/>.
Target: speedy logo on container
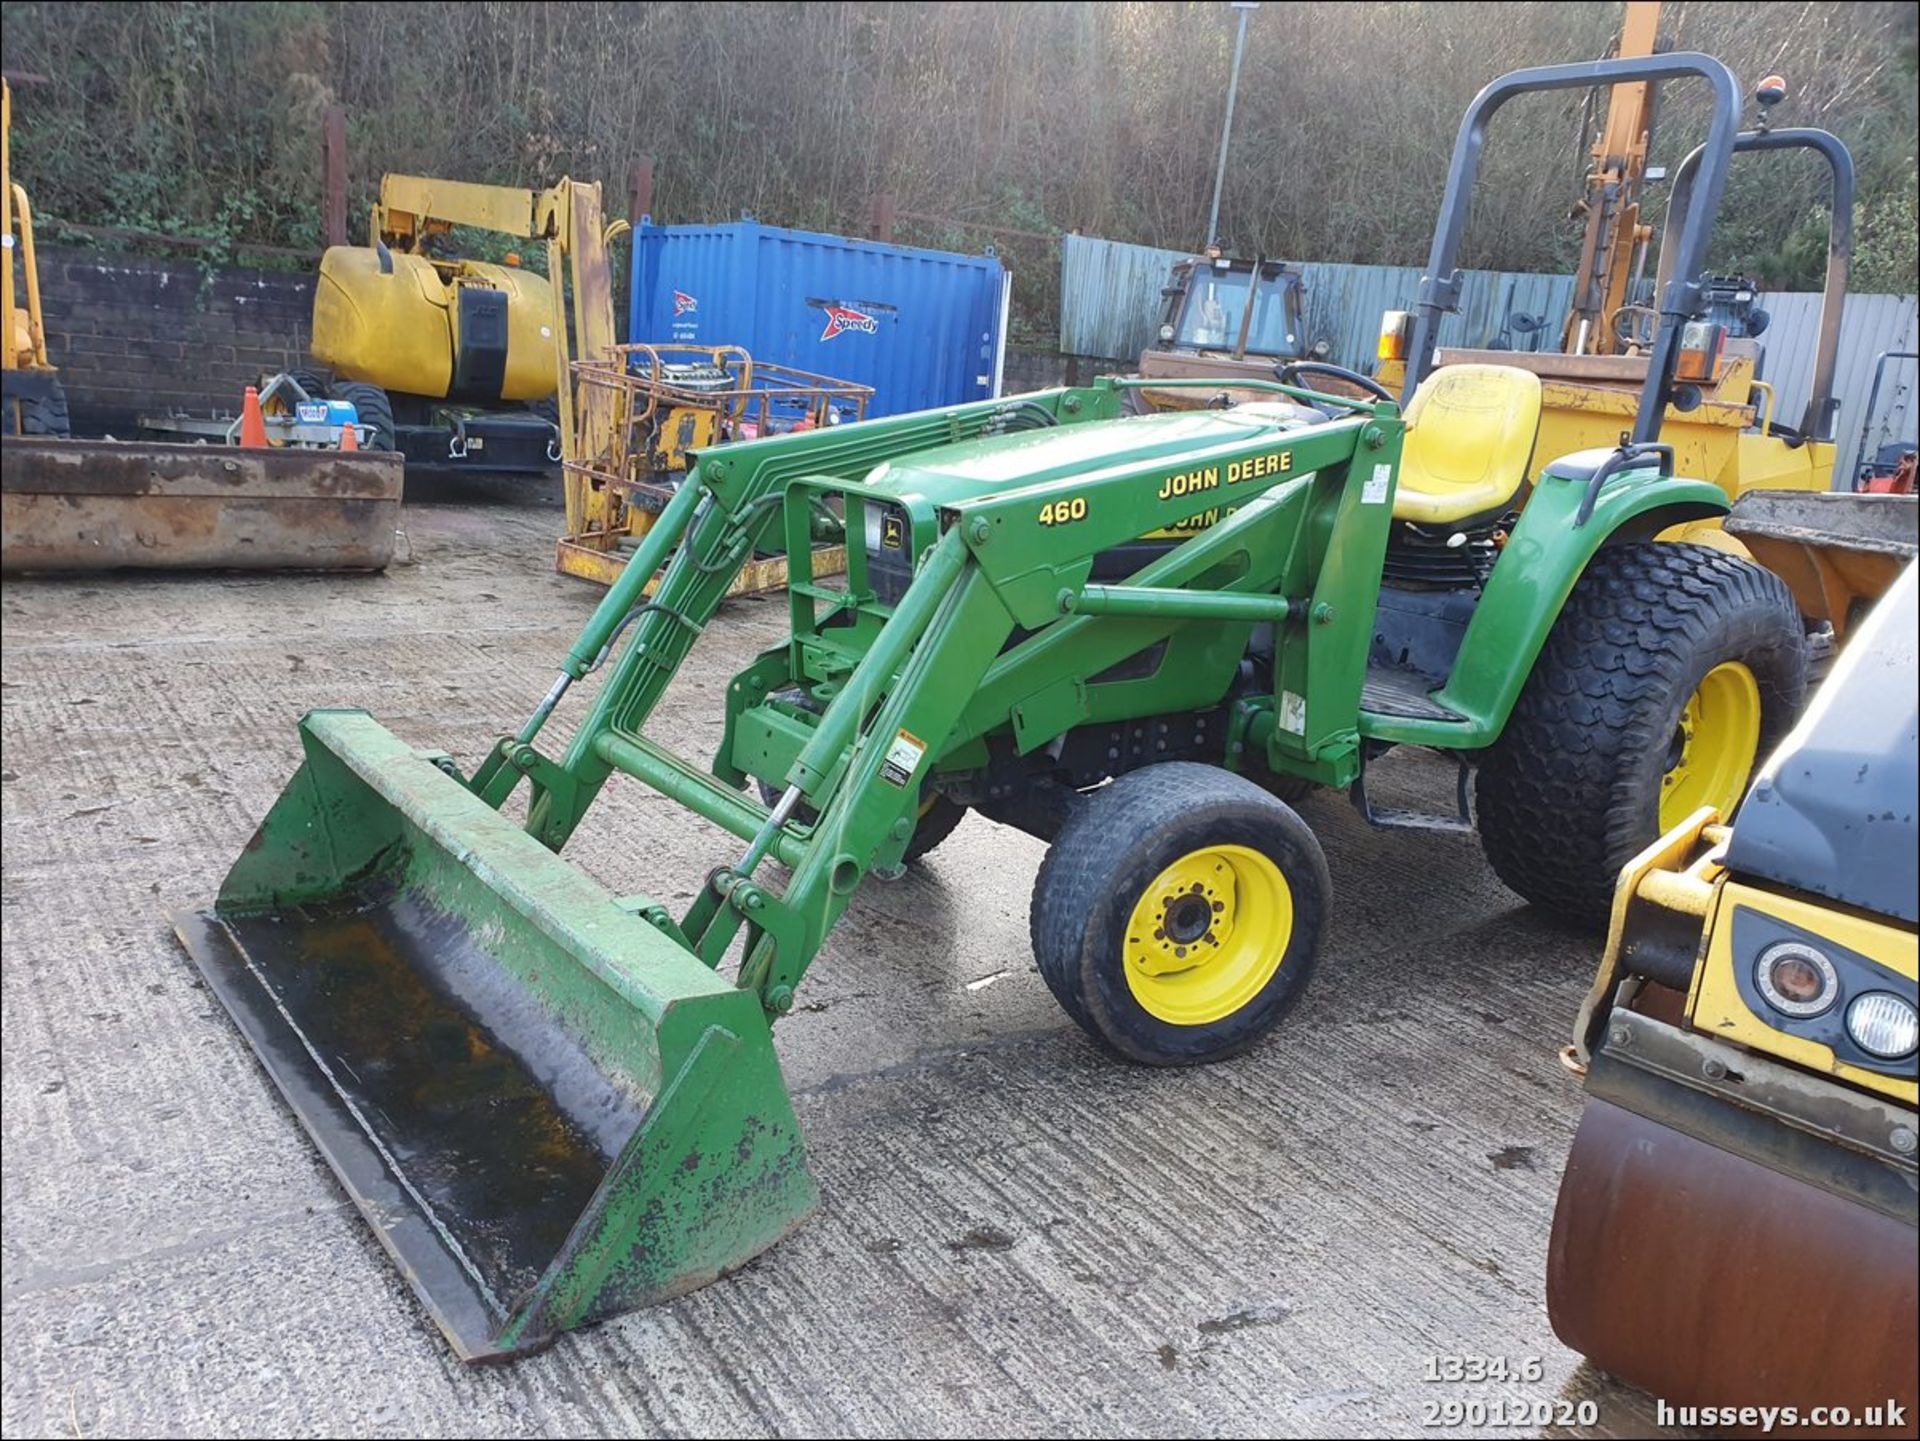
<point x="841" y="318"/>
<point x="684" y="303"/>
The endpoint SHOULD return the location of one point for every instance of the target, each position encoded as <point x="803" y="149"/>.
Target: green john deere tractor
<point x="1129" y="635"/>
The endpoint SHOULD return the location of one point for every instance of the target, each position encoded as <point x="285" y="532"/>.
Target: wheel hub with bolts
<point x="1179" y="913"/>
<point x="1188" y="907"/>
<point x="1207" y="934"/>
<point x="1714" y="745"/>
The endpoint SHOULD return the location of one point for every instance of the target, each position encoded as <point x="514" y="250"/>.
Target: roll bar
<point x="1679" y="301"/>
<point x="1822" y="408"/>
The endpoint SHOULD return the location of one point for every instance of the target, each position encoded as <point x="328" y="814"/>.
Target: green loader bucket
<point x="548" y="1110"/>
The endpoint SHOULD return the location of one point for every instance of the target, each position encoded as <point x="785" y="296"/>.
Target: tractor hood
<point x="1833" y="810"/>
<point x="970" y="469"/>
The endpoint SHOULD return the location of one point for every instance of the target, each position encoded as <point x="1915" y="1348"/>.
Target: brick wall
<point x="132" y="336"/>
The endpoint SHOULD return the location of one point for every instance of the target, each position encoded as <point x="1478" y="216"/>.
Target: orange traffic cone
<point x="349" y="438"/>
<point x="253" y="425"/>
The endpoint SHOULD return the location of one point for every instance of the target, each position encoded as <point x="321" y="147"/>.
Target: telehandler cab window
<point x="1269" y="334"/>
<point x="1216" y="306"/>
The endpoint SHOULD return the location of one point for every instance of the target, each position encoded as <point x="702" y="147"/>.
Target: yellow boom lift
<point x="450" y="358"/>
<point x="456" y="362"/>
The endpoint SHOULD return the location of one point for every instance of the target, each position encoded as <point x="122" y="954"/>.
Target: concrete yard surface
<point x="1020" y="1236"/>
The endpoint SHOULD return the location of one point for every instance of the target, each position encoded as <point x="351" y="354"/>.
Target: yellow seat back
<point x="1470" y="436"/>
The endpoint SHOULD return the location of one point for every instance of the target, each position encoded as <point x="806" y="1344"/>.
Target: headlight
<point x="1796" y="979"/>
<point x="1882" y="1024"/>
<point x="1166" y="332"/>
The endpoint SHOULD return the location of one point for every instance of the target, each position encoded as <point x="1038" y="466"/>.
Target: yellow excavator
<point x="30" y="394"/>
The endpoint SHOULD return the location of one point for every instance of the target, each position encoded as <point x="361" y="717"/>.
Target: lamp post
<point x="1226" y="128"/>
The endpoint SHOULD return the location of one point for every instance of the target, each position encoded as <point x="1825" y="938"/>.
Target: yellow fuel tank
<point x="420" y="327"/>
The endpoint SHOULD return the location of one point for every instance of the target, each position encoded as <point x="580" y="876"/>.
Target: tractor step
<point x="1391" y="818"/>
<point x="1390" y="690"/>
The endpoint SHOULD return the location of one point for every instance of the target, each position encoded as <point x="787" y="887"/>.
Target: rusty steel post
<point x="881" y="226"/>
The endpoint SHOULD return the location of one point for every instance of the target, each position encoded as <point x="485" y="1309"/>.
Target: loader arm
<point x="936" y="677"/>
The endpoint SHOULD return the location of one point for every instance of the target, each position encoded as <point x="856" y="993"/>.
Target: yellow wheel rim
<point x="1713" y="748"/>
<point x="1207" y="935"/>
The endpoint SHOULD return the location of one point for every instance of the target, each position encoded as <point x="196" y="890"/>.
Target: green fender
<point x="1542" y="561"/>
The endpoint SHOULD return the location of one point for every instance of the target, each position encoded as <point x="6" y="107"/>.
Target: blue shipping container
<point x="922" y="327"/>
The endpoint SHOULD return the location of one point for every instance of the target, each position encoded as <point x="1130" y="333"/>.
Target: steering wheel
<point x="1288" y="374"/>
<point x="1636" y="325"/>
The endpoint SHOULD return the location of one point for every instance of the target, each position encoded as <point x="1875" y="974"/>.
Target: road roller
<point x="1736" y="1224"/>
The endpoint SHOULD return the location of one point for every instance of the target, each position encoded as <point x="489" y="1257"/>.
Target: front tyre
<point x="1671" y="671"/>
<point x="375" y="410"/>
<point x="1179" y="913"/>
<point x="43" y="415"/>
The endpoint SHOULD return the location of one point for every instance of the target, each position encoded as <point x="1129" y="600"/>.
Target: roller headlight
<point x="1796" y="978"/>
<point x="1883" y="1024"/>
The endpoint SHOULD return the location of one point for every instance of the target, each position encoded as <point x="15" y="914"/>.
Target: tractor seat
<point x="1469" y="447"/>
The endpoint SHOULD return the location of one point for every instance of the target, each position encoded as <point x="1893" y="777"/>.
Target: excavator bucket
<point x="547" y="1108"/>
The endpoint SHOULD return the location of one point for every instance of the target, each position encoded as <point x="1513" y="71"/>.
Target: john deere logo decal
<point x="683" y="302"/>
<point x="840" y="318"/>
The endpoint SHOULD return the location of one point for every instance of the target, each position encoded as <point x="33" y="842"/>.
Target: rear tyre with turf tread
<point x="1108" y="858"/>
<point x="1571" y="790"/>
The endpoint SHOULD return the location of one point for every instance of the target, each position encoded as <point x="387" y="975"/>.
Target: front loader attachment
<point x="545" y="1106"/>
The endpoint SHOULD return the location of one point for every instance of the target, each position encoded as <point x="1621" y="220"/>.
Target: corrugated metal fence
<point x="1110" y="301"/>
<point x="1110" y="306"/>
